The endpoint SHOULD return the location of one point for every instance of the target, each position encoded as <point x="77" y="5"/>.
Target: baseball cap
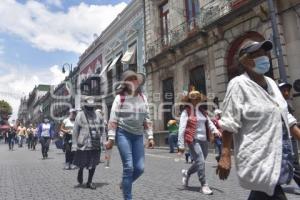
<point x="284" y="84"/>
<point x="252" y="46"/>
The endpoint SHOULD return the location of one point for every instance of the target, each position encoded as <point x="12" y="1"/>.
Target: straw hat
<point x="195" y="95"/>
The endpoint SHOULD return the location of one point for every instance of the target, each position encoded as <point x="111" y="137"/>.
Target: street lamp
<point x="66" y="65"/>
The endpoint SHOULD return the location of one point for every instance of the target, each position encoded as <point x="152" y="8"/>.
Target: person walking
<point x="218" y="140"/>
<point x="86" y="140"/>
<point x="256" y="116"/>
<point x="11" y="135"/>
<point x="196" y="129"/>
<point x="173" y="134"/>
<point x="67" y="129"/>
<point x="45" y="134"/>
<point x="21" y="130"/>
<point x="129" y="119"/>
<point x="285" y="89"/>
<point x="34" y="138"/>
<point x="30" y="132"/>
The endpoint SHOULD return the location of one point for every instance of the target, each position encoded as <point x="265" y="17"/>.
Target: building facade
<point x="119" y="47"/>
<point x="32" y="107"/>
<point x="22" y="112"/>
<point x="195" y="42"/>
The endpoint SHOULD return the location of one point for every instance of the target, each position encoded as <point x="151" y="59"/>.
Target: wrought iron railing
<point x="209" y="13"/>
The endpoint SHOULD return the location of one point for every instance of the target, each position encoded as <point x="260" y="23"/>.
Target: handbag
<point x="94" y="134"/>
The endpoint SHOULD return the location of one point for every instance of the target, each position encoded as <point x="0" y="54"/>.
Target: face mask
<point x="262" y="65"/>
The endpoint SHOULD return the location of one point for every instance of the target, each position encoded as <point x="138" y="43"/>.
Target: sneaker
<point x="73" y="166"/>
<point x="206" y="190"/>
<point x="185" y="178"/>
<point x="91" y="186"/>
<point x="67" y="166"/>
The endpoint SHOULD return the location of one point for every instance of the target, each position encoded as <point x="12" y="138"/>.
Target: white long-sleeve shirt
<point x="201" y="129"/>
<point x="254" y="116"/>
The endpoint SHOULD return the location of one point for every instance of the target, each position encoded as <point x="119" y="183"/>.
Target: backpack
<point x="95" y="132"/>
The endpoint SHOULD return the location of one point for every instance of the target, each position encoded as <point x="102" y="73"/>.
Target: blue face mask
<point x="262" y="65"/>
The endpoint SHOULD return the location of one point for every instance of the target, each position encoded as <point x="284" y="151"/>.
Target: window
<point x="133" y="64"/>
<point x="168" y="97"/>
<point x="197" y="79"/>
<point x="164" y="22"/>
<point x="192" y="13"/>
<point x="95" y="86"/>
<point x="119" y="68"/>
<point x="109" y="79"/>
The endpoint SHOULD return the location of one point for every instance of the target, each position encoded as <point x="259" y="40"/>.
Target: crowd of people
<point x="256" y="116"/>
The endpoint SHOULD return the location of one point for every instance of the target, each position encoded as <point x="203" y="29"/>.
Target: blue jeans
<point x="172" y="142"/>
<point x="131" y="149"/>
<point x="218" y="146"/>
<point x="199" y="151"/>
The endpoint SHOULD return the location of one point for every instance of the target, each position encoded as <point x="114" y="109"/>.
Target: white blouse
<point x="201" y="129"/>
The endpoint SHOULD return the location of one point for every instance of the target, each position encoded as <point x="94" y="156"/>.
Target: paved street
<point x="24" y="175"/>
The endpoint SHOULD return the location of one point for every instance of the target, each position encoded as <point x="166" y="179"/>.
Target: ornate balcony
<point x="209" y="13"/>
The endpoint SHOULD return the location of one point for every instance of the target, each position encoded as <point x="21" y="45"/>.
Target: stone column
<point x="291" y="30"/>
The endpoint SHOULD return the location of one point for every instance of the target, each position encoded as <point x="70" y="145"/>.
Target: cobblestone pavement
<point x="24" y="175"/>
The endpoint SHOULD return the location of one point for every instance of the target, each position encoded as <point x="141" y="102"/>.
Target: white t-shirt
<point x="69" y="124"/>
<point x="46" y="130"/>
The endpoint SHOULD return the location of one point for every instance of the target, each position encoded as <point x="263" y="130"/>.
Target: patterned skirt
<point x="87" y="159"/>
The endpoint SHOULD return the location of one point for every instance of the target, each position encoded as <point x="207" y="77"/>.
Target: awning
<point x="129" y="56"/>
<point x="104" y="69"/>
<point x="114" y="62"/>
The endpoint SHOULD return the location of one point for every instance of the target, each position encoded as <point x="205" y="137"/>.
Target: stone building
<point x="119" y="47"/>
<point x="37" y="93"/>
<point x="195" y="42"/>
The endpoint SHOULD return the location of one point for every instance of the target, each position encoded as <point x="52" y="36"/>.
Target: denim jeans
<point x="45" y="142"/>
<point x="11" y="142"/>
<point x="199" y="151"/>
<point x="296" y="164"/>
<point x="131" y="149"/>
<point x="21" y="139"/>
<point x="218" y="146"/>
<point x="172" y="142"/>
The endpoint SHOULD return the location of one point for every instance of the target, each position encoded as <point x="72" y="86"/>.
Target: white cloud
<point x="17" y="82"/>
<point x="48" y="30"/>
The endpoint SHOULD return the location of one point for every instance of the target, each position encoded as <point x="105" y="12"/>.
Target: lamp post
<point x="278" y="48"/>
<point x="66" y="65"/>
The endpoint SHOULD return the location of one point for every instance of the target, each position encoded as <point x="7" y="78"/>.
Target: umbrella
<point x="4" y="127"/>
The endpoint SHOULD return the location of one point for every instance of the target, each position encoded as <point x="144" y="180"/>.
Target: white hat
<point x="217" y="112"/>
<point x="72" y="110"/>
<point x="89" y="100"/>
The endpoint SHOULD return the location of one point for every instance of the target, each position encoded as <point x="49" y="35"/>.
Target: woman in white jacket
<point x="255" y="115"/>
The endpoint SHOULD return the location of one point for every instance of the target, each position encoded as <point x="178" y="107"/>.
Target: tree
<point x="5" y="110"/>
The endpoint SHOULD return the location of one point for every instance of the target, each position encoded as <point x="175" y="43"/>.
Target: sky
<point x="38" y="36"/>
